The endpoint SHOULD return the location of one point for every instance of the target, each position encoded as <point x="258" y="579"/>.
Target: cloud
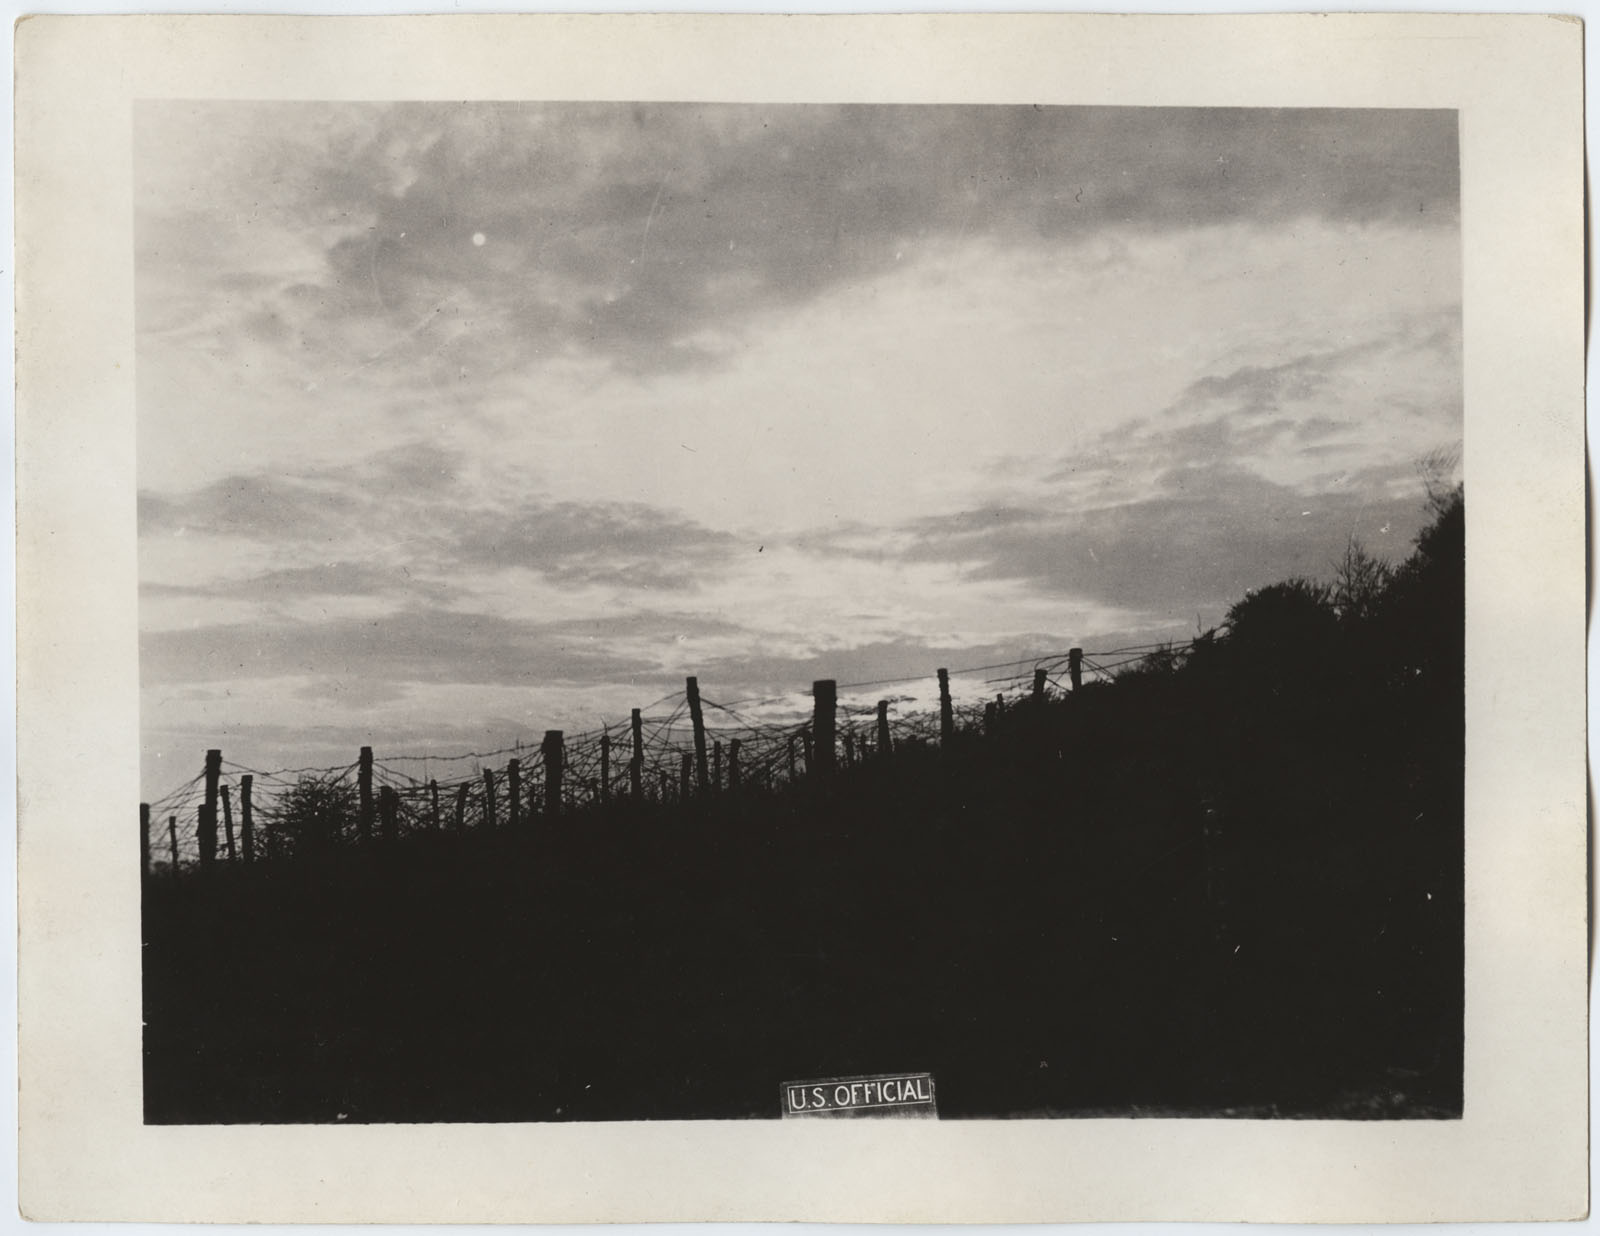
<point x="629" y="230"/>
<point x="414" y="645"/>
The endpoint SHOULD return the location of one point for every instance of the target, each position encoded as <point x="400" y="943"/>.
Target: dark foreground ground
<point x="1132" y="902"/>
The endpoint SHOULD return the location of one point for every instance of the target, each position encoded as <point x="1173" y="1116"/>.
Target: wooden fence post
<point x="207" y="833"/>
<point x="849" y="748"/>
<point x="805" y="740"/>
<point x="553" y="753"/>
<point x="389" y="801"/>
<point x="364" y="786"/>
<point x="885" y="743"/>
<point x="144" y="840"/>
<point x="947" y="716"/>
<point x="514" y="792"/>
<point x="247" y="828"/>
<point x="824" y="699"/>
<point x="636" y="764"/>
<point x="733" y="765"/>
<point x="692" y="690"/>
<point x="988" y="718"/>
<point x="433" y="814"/>
<point x="1039" y="676"/>
<point x="172" y="839"/>
<point x="227" y="822"/>
<point x="461" y="806"/>
<point x="1075" y="666"/>
<point x="605" y="768"/>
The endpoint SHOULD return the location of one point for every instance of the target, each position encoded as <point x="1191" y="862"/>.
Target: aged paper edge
<point x="1520" y="1151"/>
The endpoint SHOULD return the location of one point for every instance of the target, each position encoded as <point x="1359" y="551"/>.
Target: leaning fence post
<point x="144" y="840"/>
<point x="636" y="764"/>
<point x="605" y="768"/>
<point x="553" y="752"/>
<point x="227" y="822"/>
<point x="1075" y="666"/>
<point x="692" y="690"/>
<point x="247" y="830"/>
<point x="884" y="741"/>
<point x="514" y="792"/>
<point x="461" y="806"/>
<point x="824" y="698"/>
<point x="947" y="716"/>
<point x="364" y="785"/>
<point x="488" y="799"/>
<point x="172" y="839"/>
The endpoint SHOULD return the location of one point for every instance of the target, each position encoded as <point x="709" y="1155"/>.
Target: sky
<point x="461" y="422"/>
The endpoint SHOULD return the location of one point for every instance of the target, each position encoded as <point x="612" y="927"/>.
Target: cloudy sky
<point x="461" y="422"/>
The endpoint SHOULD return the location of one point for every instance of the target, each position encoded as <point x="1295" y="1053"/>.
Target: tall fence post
<point x="692" y="690"/>
<point x="207" y="831"/>
<point x="824" y="699"/>
<point x="144" y="840"/>
<point x="605" y="768"/>
<point x="514" y="792"/>
<point x="1039" y="676"/>
<point x="172" y="839"/>
<point x="247" y="828"/>
<point x="1075" y="666"/>
<point x="227" y="823"/>
<point x="364" y="786"/>
<point x="389" y="802"/>
<point x="553" y="760"/>
<point x="885" y="744"/>
<point x="461" y="806"/>
<point x="733" y="765"/>
<point x="947" y="715"/>
<point x="636" y="764"/>
<point x="488" y="799"/>
<point x="433" y="814"/>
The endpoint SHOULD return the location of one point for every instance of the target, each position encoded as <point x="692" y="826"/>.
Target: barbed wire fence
<point x="682" y="750"/>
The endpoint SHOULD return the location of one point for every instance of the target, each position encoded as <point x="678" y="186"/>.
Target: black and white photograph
<point x="644" y="604"/>
<point x="900" y="618"/>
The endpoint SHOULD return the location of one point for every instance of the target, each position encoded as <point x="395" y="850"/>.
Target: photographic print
<point x="670" y="611"/>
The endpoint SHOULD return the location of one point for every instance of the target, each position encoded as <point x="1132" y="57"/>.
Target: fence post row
<point x="553" y="761"/>
<point x="364" y="784"/>
<point x="692" y="690"/>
